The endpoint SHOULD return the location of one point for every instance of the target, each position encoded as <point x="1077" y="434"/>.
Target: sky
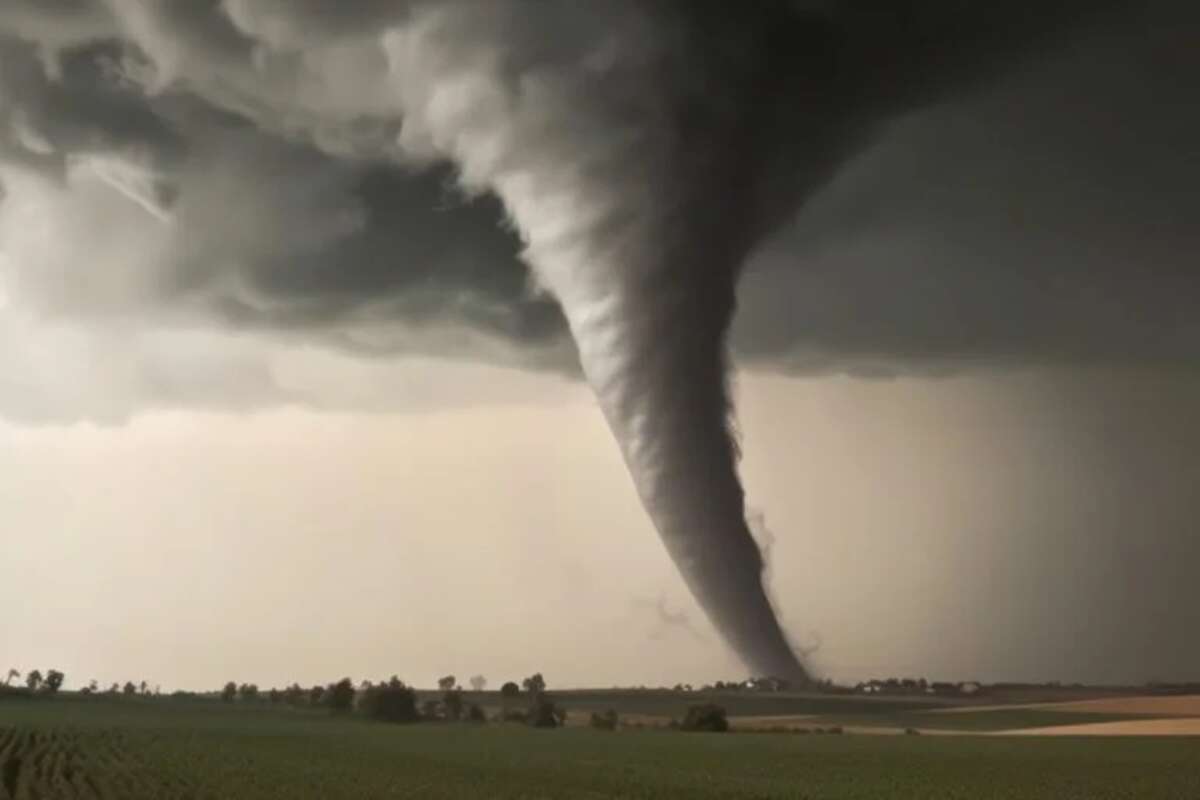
<point x="279" y="402"/>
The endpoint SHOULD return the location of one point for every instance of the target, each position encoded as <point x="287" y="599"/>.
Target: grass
<point x="113" y="748"/>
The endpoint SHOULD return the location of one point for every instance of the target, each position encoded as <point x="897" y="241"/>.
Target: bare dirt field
<point x="1176" y="726"/>
<point x="1159" y="706"/>
<point x="1150" y="705"/>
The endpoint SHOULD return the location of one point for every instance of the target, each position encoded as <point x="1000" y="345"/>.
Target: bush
<point x="54" y="681"/>
<point x="452" y="702"/>
<point x="836" y="730"/>
<point x="707" y="717"/>
<point x="534" y="684"/>
<point x="605" y="721"/>
<point x="391" y="702"/>
<point x="293" y="695"/>
<point x="544" y="714"/>
<point x="341" y="695"/>
<point x="475" y="714"/>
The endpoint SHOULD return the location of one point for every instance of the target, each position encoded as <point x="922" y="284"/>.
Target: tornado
<point x="619" y="151"/>
<point x="641" y="150"/>
<point x="649" y="310"/>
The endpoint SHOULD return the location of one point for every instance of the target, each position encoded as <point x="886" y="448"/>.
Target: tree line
<point x="390" y="700"/>
<point x="393" y="700"/>
<point x="37" y="682"/>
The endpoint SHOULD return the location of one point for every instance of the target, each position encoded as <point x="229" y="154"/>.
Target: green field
<point x="156" y="748"/>
<point x="665" y="703"/>
<point x="814" y="710"/>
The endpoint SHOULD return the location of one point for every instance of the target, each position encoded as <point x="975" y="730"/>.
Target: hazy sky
<point x="1006" y="528"/>
<point x="278" y="404"/>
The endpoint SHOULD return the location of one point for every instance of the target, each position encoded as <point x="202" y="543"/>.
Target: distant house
<point x="767" y="684"/>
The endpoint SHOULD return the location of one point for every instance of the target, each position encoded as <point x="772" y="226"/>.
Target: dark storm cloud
<point x="78" y="109"/>
<point x="419" y="251"/>
<point x="1049" y="218"/>
<point x="272" y="232"/>
<point x="1053" y="219"/>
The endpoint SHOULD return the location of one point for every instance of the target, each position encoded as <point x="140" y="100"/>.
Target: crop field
<point x="157" y="748"/>
<point x="657" y="702"/>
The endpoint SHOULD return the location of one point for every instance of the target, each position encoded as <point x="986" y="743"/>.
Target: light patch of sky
<point x="935" y="528"/>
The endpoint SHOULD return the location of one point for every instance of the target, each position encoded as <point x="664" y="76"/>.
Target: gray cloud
<point x="1047" y="219"/>
<point x="124" y="206"/>
<point x="1051" y="220"/>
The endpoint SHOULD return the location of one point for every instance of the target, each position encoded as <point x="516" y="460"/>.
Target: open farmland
<point x="666" y="704"/>
<point x="114" y="748"/>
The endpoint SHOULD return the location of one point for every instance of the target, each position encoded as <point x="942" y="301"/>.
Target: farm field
<point x="98" y="748"/>
<point x="1155" y="705"/>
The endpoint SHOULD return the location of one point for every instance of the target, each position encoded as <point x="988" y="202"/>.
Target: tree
<point x="341" y="695"/>
<point x="274" y="695"/>
<point x="143" y="688"/>
<point x="248" y="692"/>
<point x="544" y="714"/>
<point x="93" y="686"/>
<point x="315" y="695"/>
<point x="129" y="688"/>
<point x="452" y="700"/>
<point x="478" y="683"/>
<point x="605" y="721"/>
<point x="13" y="675"/>
<point x="33" y="680"/>
<point x="475" y="713"/>
<point x="535" y="683"/>
<point x="706" y="717"/>
<point x="54" y="681"/>
<point x="228" y="692"/>
<point x="447" y="683"/>
<point x="510" y="689"/>
<point x="114" y="689"/>
<point x="391" y="702"/>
